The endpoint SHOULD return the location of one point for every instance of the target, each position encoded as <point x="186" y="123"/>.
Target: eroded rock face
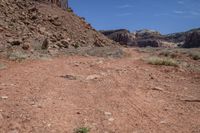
<point x="192" y="40"/>
<point x="151" y="38"/>
<point x="149" y="43"/>
<point x="124" y="37"/>
<point x="148" y="34"/>
<point x="142" y="38"/>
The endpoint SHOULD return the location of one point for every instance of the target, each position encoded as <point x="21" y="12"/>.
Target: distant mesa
<point x="152" y="38"/>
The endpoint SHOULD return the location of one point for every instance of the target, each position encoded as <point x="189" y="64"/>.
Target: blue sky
<point x="166" y="16"/>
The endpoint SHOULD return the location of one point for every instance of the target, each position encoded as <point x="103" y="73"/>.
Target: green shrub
<point x="70" y="9"/>
<point x="162" y="61"/>
<point x="82" y="130"/>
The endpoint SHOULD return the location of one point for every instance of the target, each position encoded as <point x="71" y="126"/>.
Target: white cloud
<point x="125" y="6"/>
<point x="161" y="14"/>
<point x="178" y="12"/>
<point x="124" y="14"/>
<point x="195" y="13"/>
<point x="181" y="2"/>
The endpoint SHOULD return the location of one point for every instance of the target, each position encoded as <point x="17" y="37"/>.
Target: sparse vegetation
<point x="107" y="52"/>
<point x="82" y="130"/>
<point x="148" y="49"/>
<point x="195" y="55"/>
<point x="17" y="56"/>
<point x="162" y="61"/>
<point x="2" y="66"/>
<point x="169" y="53"/>
<point x="70" y="9"/>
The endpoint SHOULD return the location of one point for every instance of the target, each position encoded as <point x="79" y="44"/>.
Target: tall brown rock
<point x="192" y="40"/>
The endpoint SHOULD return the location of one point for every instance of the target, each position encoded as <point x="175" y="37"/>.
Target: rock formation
<point x="192" y="40"/>
<point x="30" y="24"/>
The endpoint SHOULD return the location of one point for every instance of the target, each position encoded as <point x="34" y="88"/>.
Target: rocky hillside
<point x="144" y="38"/>
<point x="31" y="26"/>
<point x="180" y="36"/>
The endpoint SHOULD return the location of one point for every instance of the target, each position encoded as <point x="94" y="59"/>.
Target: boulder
<point x="26" y="46"/>
<point x="98" y="43"/>
<point x="15" y="42"/>
<point x="45" y="44"/>
<point x="65" y="43"/>
<point x="60" y="45"/>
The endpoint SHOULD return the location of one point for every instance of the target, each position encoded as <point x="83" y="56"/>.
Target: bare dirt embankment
<point x="106" y="95"/>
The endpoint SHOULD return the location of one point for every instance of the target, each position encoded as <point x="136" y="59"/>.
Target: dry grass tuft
<point x="2" y="66"/>
<point x="162" y="61"/>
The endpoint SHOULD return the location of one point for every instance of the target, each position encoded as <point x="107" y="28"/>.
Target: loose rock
<point x="4" y="97"/>
<point x="92" y="77"/>
<point x="15" y="42"/>
<point x="45" y="44"/>
<point x="111" y="119"/>
<point x="107" y="113"/>
<point x="26" y="46"/>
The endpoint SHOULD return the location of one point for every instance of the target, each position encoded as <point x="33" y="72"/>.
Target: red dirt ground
<point x="107" y="95"/>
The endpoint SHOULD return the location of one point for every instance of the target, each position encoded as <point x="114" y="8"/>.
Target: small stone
<point x="65" y="43"/>
<point x="56" y="23"/>
<point x="48" y="125"/>
<point x="8" y="35"/>
<point x="14" y="42"/>
<point x="83" y="41"/>
<point x="69" y="77"/>
<point x="158" y="89"/>
<point x="38" y="106"/>
<point x="45" y="44"/>
<point x="1" y="29"/>
<point x="100" y="62"/>
<point x="33" y="9"/>
<point x="78" y="113"/>
<point x="92" y="77"/>
<point x="53" y="51"/>
<point x="25" y="46"/>
<point x="163" y="122"/>
<point x="42" y="30"/>
<point x="76" y="64"/>
<point x="111" y="119"/>
<point x="107" y="113"/>
<point x="34" y="16"/>
<point x="60" y="45"/>
<point x="4" y="97"/>
<point x="55" y="46"/>
<point x="1" y="116"/>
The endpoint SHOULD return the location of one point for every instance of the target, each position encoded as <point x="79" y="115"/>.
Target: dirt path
<point x="107" y="95"/>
